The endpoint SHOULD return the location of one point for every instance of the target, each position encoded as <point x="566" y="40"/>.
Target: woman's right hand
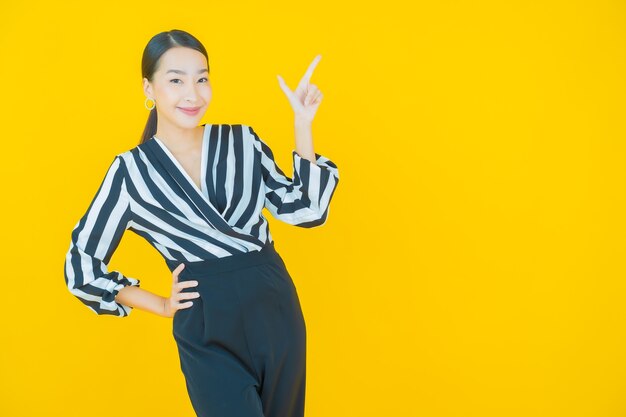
<point x="173" y="303"/>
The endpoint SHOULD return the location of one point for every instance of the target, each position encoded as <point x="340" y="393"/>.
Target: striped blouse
<point x="146" y="190"/>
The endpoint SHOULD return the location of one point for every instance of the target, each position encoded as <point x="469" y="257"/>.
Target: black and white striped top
<point x="146" y="190"/>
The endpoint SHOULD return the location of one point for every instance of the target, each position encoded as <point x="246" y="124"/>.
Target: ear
<point x="147" y="87"/>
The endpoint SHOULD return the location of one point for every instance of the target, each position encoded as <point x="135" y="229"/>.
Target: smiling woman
<point x="196" y="194"/>
<point x="177" y="81"/>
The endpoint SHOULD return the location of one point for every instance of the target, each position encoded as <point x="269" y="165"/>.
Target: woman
<point x="196" y="194"/>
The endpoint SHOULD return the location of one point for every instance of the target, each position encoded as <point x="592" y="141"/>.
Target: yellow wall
<point x="473" y="260"/>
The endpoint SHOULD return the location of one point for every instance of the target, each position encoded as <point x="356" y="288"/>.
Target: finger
<point x="290" y="95"/>
<point x="311" y="100"/>
<point x="309" y="72"/>
<point x="306" y="78"/>
<point x="185" y="305"/>
<point x="312" y="96"/>
<point x="283" y="85"/>
<point x="188" y="295"/>
<point x="314" y="104"/>
<point x="312" y="90"/>
<point x="181" y="296"/>
<point x="181" y="286"/>
<point x="176" y="271"/>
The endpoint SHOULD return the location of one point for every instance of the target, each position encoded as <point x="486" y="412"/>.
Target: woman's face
<point x="180" y="82"/>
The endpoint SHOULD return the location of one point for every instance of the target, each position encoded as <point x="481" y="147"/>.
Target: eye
<point x="204" y="79"/>
<point x="175" y="79"/>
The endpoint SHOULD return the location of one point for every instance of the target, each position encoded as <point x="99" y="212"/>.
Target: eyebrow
<point x="183" y="72"/>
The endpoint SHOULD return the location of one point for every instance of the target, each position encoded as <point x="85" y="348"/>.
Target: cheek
<point x="206" y="93"/>
<point x="170" y="94"/>
<point x="167" y="97"/>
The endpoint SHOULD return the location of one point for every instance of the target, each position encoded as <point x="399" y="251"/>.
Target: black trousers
<point x="242" y="345"/>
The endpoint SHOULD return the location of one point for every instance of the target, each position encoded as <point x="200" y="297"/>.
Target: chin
<point x="189" y="121"/>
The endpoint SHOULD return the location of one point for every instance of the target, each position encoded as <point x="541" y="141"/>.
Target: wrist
<point x="302" y="122"/>
<point x="165" y="308"/>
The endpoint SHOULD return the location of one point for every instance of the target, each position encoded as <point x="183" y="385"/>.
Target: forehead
<point x="182" y="61"/>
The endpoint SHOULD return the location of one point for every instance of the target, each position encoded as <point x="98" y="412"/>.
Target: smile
<point x="192" y="111"/>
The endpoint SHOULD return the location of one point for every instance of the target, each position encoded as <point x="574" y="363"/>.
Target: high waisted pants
<point x="242" y="344"/>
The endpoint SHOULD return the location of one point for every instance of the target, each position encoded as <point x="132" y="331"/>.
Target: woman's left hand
<point x="307" y="97"/>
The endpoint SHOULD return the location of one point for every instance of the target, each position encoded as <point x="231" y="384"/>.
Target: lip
<point x="192" y="111"/>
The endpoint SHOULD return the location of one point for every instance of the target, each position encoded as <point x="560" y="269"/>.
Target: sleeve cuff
<point x="321" y="162"/>
<point x="118" y="285"/>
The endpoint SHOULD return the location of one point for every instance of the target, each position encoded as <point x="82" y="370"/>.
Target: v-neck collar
<point x="174" y="169"/>
<point x="169" y="168"/>
<point x="203" y="161"/>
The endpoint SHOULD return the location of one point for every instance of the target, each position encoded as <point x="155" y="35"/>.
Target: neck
<point x="179" y="139"/>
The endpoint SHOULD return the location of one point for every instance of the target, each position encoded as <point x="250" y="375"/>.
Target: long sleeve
<point x="95" y="238"/>
<point x="304" y="200"/>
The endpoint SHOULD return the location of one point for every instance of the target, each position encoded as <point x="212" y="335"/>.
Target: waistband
<point x="206" y="267"/>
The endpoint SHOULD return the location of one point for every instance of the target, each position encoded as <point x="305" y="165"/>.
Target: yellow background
<point x="473" y="260"/>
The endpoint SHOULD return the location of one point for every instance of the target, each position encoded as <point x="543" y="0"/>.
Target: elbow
<point x="311" y="224"/>
<point x="314" y="219"/>
<point x="99" y="296"/>
<point x="98" y="305"/>
<point x="90" y="302"/>
<point x="317" y="222"/>
<point x="317" y="214"/>
<point x="301" y="212"/>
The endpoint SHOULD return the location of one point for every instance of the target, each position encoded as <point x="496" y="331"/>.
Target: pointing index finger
<point x="309" y="72"/>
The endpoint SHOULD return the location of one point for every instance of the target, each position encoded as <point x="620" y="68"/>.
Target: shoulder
<point x="250" y="135"/>
<point x="126" y="156"/>
<point x="128" y="159"/>
<point x="245" y="129"/>
<point x="129" y="156"/>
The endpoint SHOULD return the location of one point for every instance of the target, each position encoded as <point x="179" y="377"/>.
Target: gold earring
<point x="146" y="103"/>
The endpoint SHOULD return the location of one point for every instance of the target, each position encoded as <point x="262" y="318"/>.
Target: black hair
<point x="156" y="47"/>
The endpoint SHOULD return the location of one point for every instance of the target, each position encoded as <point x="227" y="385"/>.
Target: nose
<point x="191" y="95"/>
